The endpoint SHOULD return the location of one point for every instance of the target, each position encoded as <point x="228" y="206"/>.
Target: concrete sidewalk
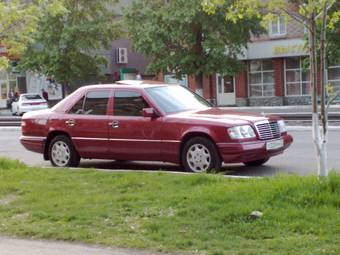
<point x="297" y="109"/>
<point x="13" y="246"/>
<point x="5" y="112"/>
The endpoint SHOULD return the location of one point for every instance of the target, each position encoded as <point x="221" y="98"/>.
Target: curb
<point x="10" y="128"/>
<point x="289" y="128"/>
<point x="154" y="172"/>
<point x="309" y="128"/>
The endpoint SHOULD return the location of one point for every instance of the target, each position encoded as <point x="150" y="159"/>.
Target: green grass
<point x="170" y="212"/>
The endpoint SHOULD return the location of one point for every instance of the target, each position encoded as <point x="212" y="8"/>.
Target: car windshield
<point x="31" y="97"/>
<point x="174" y="98"/>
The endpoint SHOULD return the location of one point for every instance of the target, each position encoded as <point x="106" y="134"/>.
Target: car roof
<point x="130" y="84"/>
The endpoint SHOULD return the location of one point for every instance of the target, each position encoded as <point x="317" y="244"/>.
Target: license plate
<point x="273" y="145"/>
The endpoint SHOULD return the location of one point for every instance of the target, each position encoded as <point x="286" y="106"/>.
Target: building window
<point x="334" y="77"/>
<point x="261" y="78"/>
<point x="297" y="80"/>
<point x="277" y="26"/>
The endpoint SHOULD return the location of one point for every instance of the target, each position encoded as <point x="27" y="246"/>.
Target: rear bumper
<point x="250" y="151"/>
<point x="24" y="109"/>
<point x="33" y="143"/>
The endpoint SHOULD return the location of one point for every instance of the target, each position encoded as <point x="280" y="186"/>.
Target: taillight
<point x="23" y="123"/>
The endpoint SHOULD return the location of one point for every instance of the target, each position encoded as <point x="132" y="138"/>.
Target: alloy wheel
<point x="198" y="158"/>
<point x="60" y="153"/>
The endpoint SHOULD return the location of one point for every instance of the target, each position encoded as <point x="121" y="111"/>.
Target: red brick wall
<point x="241" y="84"/>
<point x="206" y="87"/>
<point x="213" y="86"/>
<point x="191" y="82"/>
<point x="278" y="77"/>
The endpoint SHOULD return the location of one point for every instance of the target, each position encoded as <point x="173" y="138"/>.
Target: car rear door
<point x="132" y="136"/>
<point x="87" y="123"/>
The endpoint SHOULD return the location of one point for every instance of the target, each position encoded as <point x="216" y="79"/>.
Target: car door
<point x="133" y="136"/>
<point x="87" y="123"/>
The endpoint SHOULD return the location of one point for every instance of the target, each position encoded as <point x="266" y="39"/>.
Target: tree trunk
<point x="66" y="89"/>
<point x="313" y="78"/>
<point x="324" y="118"/>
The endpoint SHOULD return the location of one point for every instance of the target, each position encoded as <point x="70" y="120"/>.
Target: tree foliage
<point x="299" y="10"/>
<point x="18" y="19"/>
<point x="66" y="42"/>
<point x="178" y="36"/>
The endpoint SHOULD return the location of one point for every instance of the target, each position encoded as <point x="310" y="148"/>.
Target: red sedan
<point x="153" y="121"/>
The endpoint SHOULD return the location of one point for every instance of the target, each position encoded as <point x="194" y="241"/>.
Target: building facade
<point x="274" y="73"/>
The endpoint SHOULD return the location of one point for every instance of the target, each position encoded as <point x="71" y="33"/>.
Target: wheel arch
<point x="49" y="138"/>
<point x="192" y="134"/>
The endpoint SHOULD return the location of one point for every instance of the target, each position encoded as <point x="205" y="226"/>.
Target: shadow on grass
<point x="227" y="169"/>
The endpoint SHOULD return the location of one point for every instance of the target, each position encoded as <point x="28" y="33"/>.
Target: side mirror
<point x="149" y="113"/>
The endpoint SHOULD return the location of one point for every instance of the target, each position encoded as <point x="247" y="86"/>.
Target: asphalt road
<point x="298" y="159"/>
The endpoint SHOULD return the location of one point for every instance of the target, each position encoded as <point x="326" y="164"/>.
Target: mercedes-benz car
<point x="151" y="121"/>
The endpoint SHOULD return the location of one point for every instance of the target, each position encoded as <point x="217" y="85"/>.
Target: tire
<point x="200" y="155"/>
<point x="62" y="153"/>
<point x="259" y="162"/>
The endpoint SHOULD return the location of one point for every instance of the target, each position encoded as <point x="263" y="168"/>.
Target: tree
<point x="17" y="21"/>
<point x="178" y="36"/>
<point x="66" y="42"/>
<point x="318" y="16"/>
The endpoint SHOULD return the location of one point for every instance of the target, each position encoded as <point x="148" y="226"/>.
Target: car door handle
<point x="71" y="122"/>
<point x="114" y="124"/>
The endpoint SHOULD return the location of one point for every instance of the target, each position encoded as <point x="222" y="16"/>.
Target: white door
<point x="225" y="90"/>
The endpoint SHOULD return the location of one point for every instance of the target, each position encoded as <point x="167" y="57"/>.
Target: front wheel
<point x="62" y="152"/>
<point x="200" y="155"/>
<point x="256" y="162"/>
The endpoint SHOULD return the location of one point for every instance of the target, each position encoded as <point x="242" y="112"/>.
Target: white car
<point x="28" y="102"/>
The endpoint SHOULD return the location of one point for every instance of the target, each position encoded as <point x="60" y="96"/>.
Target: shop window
<point x="277" y="26"/>
<point x="261" y="78"/>
<point x="297" y="82"/>
<point x="334" y="77"/>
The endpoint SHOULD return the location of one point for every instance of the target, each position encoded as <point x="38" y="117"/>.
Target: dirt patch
<point x="7" y="199"/>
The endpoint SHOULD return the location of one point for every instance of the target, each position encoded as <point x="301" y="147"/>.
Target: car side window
<point x="95" y="103"/>
<point x="129" y="103"/>
<point x="78" y="107"/>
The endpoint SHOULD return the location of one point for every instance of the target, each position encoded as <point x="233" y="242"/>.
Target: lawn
<point x="201" y="213"/>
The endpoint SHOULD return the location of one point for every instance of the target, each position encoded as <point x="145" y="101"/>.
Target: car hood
<point x="222" y="115"/>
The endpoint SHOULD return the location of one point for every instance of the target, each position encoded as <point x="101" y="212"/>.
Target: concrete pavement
<point x="14" y="246"/>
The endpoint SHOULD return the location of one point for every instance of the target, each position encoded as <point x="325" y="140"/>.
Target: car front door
<point x="133" y="136"/>
<point x="87" y="123"/>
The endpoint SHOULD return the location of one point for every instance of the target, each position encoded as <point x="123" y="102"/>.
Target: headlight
<point x="282" y="126"/>
<point x="241" y="132"/>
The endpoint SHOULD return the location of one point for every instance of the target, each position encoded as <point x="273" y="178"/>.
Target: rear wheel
<point x="62" y="152"/>
<point x="200" y="155"/>
<point x="256" y="162"/>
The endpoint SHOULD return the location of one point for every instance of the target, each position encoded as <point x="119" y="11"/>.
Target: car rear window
<point x="31" y="97"/>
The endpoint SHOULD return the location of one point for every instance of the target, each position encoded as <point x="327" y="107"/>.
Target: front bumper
<point x="250" y="151"/>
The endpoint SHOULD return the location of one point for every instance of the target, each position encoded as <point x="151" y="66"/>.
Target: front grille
<point x="268" y="130"/>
